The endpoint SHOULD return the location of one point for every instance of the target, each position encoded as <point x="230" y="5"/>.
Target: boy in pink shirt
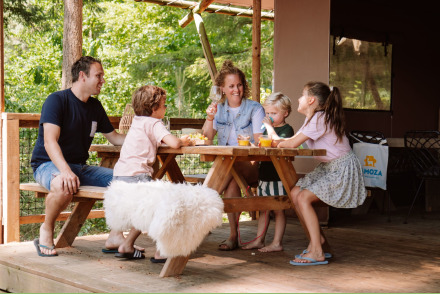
<point x="138" y="155"/>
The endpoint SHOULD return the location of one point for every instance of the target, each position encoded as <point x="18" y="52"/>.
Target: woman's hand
<point x="211" y="111"/>
<point x="208" y="126"/>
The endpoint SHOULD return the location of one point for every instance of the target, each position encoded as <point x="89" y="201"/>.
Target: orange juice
<point x="265" y="141"/>
<point x="243" y="143"/>
<point x="243" y="140"/>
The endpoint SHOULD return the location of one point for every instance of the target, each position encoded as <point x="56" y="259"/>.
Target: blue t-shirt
<point x="78" y="120"/>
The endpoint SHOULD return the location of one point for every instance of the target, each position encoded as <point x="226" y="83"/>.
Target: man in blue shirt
<point x="69" y="120"/>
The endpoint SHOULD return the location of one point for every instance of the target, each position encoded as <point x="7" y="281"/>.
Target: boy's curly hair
<point x="228" y="68"/>
<point x="146" y="99"/>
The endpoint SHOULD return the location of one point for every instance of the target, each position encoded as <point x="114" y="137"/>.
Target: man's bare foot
<point x="253" y="245"/>
<point x="46" y="239"/>
<point x="271" y="248"/>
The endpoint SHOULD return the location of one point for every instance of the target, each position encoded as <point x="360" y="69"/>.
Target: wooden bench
<point x="84" y="200"/>
<point x="198" y="178"/>
<point x="84" y="192"/>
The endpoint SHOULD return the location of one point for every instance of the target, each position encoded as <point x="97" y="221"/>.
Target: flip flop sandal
<point x="312" y="262"/>
<point x="158" y="260"/>
<point x="133" y="255"/>
<point x="106" y="250"/>
<point x="227" y="245"/>
<point x="38" y="245"/>
<point x="305" y="251"/>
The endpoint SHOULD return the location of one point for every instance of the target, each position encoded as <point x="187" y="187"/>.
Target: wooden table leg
<point x="222" y="165"/>
<point x="73" y="224"/>
<point x="174" y="266"/>
<point x="172" y="169"/>
<point x="219" y="172"/>
<point x="241" y="181"/>
<point x="288" y="176"/>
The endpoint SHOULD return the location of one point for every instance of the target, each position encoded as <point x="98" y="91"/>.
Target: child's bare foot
<point x="253" y="245"/>
<point x="309" y="247"/>
<point x="117" y="239"/>
<point x="312" y="258"/>
<point x="158" y="256"/>
<point x="271" y="248"/>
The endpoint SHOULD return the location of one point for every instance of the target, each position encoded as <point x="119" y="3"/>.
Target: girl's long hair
<point x="330" y="102"/>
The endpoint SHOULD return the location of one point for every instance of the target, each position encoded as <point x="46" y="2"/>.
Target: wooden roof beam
<point x="213" y="8"/>
<point x="198" y="10"/>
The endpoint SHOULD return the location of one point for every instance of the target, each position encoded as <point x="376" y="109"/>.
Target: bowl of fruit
<point x="197" y="139"/>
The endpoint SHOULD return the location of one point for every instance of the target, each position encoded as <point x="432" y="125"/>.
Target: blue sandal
<point x="305" y="251"/>
<point x="38" y="245"/>
<point x="312" y="262"/>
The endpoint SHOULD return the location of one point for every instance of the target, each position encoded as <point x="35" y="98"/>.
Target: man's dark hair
<point x="83" y="64"/>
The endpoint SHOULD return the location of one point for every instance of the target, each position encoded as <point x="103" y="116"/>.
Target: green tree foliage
<point x="20" y="10"/>
<point x="138" y="43"/>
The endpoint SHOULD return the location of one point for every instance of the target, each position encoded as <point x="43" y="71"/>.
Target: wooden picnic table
<point x="223" y="158"/>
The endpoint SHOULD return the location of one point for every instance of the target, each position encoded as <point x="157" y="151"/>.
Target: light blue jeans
<point x="88" y="175"/>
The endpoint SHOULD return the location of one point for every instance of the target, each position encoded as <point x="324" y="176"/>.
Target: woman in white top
<point x="234" y="115"/>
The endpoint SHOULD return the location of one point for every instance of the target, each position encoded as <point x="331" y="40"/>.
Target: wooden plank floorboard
<point x="371" y="255"/>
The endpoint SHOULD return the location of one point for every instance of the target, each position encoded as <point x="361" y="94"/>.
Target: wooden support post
<point x="2" y="238"/>
<point x="11" y="179"/>
<point x="256" y="49"/>
<point x="2" y="61"/>
<point x="205" y="45"/>
<point x="2" y="109"/>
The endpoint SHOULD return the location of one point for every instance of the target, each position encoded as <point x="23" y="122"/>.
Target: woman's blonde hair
<point x="228" y="68"/>
<point x="280" y="101"/>
<point x="146" y="99"/>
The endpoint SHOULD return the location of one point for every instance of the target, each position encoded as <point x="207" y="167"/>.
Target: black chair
<point x="423" y="149"/>
<point x="371" y="137"/>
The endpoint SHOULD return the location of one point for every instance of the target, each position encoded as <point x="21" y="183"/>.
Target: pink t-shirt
<point x="138" y="152"/>
<point x="320" y="139"/>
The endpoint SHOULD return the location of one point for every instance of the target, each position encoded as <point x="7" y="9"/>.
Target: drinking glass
<point x="265" y="141"/>
<point x="243" y="140"/>
<point x="215" y="94"/>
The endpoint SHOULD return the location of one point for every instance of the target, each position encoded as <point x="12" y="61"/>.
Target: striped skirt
<point x="272" y="188"/>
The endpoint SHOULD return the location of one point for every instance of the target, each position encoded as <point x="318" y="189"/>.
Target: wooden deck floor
<point x="371" y="255"/>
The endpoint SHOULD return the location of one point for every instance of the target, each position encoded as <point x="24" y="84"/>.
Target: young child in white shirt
<point x="138" y="154"/>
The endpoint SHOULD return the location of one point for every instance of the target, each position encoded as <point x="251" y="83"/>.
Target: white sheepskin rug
<point x="176" y="216"/>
